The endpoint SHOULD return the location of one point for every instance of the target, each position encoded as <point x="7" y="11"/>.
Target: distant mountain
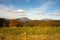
<point x="47" y="19"/>
<point x="23" y="19"/>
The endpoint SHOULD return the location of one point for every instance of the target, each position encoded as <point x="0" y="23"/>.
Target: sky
<point x="33" y="9"/>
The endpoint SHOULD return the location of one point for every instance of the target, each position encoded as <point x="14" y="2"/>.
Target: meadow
<point x="30" y="33"/>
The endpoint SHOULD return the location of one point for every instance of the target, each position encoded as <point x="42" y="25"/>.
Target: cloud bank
<point x="9" y="13"/>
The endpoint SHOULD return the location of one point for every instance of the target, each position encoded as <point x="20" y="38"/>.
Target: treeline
<point x="32" y="23"/>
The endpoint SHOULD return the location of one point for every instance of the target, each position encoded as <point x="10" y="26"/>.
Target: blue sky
<point x="33" y="9"/>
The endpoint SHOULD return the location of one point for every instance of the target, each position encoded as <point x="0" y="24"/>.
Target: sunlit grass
<point x="30" y="33"/>
<point x="31" y="30"/>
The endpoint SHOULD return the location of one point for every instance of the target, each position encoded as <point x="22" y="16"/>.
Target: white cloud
<point x="4" y="8"/>
<point x="55" y="13"/>
<point x="33" y="13"/>
<point x="9" y="12"/>
<point x="20" y="11"/>
<point x="41" y="10"/>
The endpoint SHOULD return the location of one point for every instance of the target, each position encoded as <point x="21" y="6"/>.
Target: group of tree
<point x="31" y="23"/>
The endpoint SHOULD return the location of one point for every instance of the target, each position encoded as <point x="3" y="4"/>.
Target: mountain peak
<point x="47" y="19"/>
<point x="23" y="19"/>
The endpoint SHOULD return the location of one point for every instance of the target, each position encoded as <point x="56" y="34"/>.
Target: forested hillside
<point x="30" y="23"/>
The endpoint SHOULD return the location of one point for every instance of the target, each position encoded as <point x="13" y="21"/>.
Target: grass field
<point x="30" y="33"/>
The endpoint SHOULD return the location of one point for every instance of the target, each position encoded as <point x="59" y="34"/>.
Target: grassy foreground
<point x="30" y="33"/>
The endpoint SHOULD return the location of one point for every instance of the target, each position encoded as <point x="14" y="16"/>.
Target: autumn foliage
<point x="13" y="23"/>
<point x="32" y="23"/>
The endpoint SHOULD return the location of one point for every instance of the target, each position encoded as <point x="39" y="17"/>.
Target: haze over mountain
<point x="46" y="19"/>
<point x="23" y="19"/>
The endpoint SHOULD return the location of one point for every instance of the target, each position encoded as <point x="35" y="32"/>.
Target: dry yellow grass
<point x="30" y="33"/>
